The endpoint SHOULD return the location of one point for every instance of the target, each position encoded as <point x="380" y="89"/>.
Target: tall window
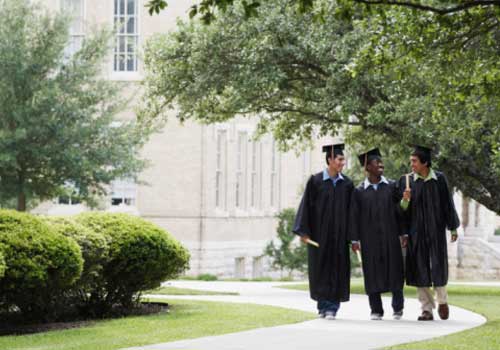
<point x="254" y="176"/>
<point x="239" y="267"/>
<point x="68" y="199"/>
<point x="127" y="35"/>
<point x="71" y="195"/>
<point x="74" y="9"/>
<point x="274" y="176"/>
<point x="220" y="170"/>
<point x="123" y="192"/>
<point x="241" y="161"/>
<point x="257" y="267"/>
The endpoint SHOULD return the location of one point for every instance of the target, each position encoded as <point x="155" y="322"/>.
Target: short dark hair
<point x="423" y="157"/>
<point x="329" y="155"/>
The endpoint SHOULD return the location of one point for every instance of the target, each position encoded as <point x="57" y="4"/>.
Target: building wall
<point x="226" y="236"/>
<point x="476" y="255"/>
<point x="178" y="190"/>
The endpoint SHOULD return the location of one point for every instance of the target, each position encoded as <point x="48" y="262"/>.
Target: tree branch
<point x="439" y="11"/>
<point x="315" y="115"/>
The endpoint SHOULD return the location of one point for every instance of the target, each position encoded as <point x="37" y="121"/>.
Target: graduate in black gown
<point x="323" y="217"/>
<point x="377" y="225"/>
<point x="430" y="210"/>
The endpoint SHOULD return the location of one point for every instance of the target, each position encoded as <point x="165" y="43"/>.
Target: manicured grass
<point x="485" y="337"/>
<point x="482" y="300"/>
<point x="185" y="291"/>
<point x="213" y="278"/>
<point x="186" y="320"/>
<point x="357" y="287"/>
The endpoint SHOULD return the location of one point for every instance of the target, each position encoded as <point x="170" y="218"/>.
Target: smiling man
<point x="376" y="224"/>
<point x="323" y="218"/>
<point x="431" y="210"/>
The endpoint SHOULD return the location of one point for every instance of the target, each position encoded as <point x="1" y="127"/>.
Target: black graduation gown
<point x="376" y="221"/>
<point x="431" y="210"/>
<point x="323" y="215"/>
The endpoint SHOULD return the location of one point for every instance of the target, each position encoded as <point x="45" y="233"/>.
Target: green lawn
<point x="187" y="319"/>
<point x="482" y="300"/>
<point x="485" y="337"/>
<point x="185" y="291"/>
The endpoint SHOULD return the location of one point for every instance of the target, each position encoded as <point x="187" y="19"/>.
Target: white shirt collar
<point x="326" y="176"/>
<point x="367" y="182"/>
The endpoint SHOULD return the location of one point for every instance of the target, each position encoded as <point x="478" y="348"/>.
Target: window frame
<point x="126" y="75"/>
<point x="70" y="50"/>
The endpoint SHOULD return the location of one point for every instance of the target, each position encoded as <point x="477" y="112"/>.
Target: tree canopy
<point x="207" y="9"/>
<point x="57" y="115"/>
<point x="393" y="78"/>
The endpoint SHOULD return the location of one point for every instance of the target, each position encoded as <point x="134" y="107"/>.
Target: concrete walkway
<point x="351" y="330"/>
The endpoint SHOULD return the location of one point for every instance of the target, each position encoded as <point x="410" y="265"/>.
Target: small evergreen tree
<point x="287" y="254"/>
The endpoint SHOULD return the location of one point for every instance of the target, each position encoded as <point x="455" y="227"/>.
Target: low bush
<point x="141" y="256"/>
<point x="95" y="253"/>
<point x="40" y="264"/>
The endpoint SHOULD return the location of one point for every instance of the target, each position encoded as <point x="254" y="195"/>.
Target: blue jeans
<point x="328" y="305"/>
<point x="398" y="301"/>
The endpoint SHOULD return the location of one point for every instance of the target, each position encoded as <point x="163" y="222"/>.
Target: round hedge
<point x="94" y="247"/>
<point x="141" y="254"/>
<point x="40" y="263"/>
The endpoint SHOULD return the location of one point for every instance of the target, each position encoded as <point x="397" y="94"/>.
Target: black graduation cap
<point x="426" y="151"/>
<point x="338" y="149"/>
<point x="367" y="157"/>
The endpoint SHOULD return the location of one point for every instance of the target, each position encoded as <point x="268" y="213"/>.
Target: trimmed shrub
<point x="207" y="277"/>
<point x="141" y="256"/>
<point x="95" y="253"/>
<point x="40" y="264"/>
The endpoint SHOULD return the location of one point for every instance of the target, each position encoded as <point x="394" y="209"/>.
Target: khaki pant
<point x="426" y="297"/>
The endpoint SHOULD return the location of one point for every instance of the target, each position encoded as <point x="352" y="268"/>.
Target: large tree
<point x="207" y="10"/>
<point x="457" y="57"/>
<point x="301" y="76"/>
<point x="57" y="116"/>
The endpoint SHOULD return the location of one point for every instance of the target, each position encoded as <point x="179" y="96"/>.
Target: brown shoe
<point x="444" y="311"/>
<point x="426" y="316"/>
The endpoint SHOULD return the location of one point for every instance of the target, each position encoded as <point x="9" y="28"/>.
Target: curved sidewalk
<point x="351" y="330"/>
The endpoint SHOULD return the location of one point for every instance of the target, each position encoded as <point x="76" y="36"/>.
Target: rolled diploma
<point x="311" y="242"/>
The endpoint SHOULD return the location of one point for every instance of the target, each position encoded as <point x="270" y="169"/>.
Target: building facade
<point x="213" y="187"/>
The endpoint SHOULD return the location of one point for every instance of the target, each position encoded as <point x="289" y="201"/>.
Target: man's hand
<point x="355" y="246"/>
<point x="407" y="195"/>
<point x="304" y="238"/>
<point x="404" y="241"/>
<point x="454" y="238"/>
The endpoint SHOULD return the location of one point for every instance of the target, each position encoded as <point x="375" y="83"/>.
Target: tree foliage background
<point x="58" y="123"/>
<point x="382" y="75"/>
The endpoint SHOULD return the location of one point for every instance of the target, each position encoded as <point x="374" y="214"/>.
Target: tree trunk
<point x="21" y="202"/>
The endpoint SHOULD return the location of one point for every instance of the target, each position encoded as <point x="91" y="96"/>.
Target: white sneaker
<point x="375" y="317"/>
<point x="330" y="315"/>
<point x="321" y="315"/>
<point x="397" y="315"/>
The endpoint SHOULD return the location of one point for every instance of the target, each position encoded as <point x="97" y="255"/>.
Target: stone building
<point x="214" y="187"/>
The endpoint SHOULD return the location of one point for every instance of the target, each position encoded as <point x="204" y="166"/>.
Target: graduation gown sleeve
<point x="450" y="213"/>
<point x="354" y="215"/>
<point x="304" y="217"/>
